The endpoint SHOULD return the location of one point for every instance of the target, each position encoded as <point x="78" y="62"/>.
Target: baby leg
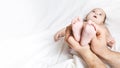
<point x="77" y="24"/>
<point x="87" y="34"/>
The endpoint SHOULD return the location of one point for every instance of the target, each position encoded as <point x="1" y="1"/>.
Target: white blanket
<point x="27" y="28"/>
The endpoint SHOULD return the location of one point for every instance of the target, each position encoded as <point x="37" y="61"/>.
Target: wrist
<point x="101" y="51"/>
<point x="84" y="51"/>
<point x="92" y="60"/>
<point x="104" y="53"/>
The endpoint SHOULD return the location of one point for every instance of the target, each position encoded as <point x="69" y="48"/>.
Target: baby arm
<point x="110" y="39"/>
<point x="76" y="26"/>
<point x="60" y="34"/>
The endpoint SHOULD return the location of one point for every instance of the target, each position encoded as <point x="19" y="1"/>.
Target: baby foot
<point x="77" y="24"/>
<point x="87" y="34"/>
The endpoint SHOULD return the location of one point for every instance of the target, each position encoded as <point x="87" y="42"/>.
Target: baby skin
<point x="79" y="27"/>
<point x="82" y="30"/>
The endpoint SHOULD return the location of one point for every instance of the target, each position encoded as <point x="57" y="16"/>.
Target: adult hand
<point x="98" y="43"/>
<point x="73" y="43"/>
<point x="98" y="46"/>
<point x="84" y="51"/>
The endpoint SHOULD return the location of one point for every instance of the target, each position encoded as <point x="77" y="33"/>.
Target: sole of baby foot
<point x="87" y="34"/>
<point x="77" y="24"/>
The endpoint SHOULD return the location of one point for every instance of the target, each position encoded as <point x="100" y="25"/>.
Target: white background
<point x="27" y="28"/>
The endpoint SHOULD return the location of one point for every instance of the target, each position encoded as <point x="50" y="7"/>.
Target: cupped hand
<point x="98" y="43"/>
<point x="85" y="51"/>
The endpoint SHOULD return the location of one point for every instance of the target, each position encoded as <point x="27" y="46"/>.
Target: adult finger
<point x="68" y="32"/>
<point x="99" y="30"/>
<point x="73" y="43"/>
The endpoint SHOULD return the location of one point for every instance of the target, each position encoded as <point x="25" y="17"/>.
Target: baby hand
<point x="111" y="42"/>
<point x="58" y="35"/>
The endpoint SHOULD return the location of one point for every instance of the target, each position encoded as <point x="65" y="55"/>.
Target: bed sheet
<point x="27" y="28"/>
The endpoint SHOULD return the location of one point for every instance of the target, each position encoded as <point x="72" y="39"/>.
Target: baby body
<point x="96" y="17"/>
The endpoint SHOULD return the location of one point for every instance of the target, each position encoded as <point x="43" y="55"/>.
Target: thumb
<point x="98" y="41"/>
<point x="94" y="39"/>
<point x="68" y="32"/>
<point x="73" y="43"/>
